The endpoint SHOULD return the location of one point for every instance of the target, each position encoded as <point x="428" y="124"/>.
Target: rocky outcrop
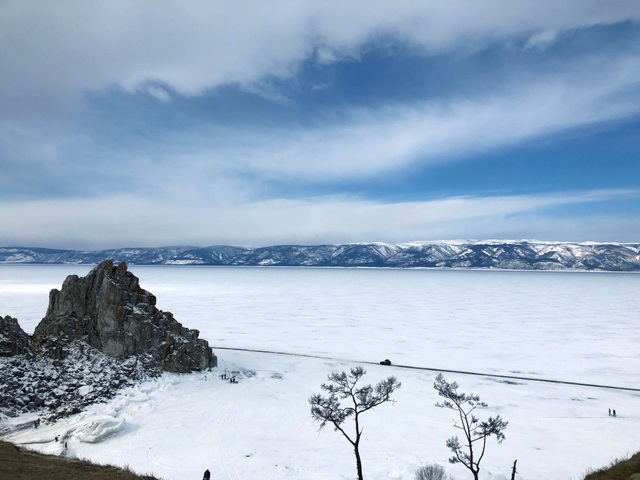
<point x="110" y="312"/>
<point x="13" y="340"/>
<point x="100" y="333"/>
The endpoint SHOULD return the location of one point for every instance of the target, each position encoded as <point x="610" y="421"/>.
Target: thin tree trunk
<point x="358" y="462"/>
<point x="514" y="471"/>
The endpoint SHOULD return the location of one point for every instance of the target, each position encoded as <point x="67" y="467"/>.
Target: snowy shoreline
<point x="178" y="425"/>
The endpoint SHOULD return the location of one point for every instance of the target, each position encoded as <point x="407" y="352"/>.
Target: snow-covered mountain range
<point x="501" y="254"/>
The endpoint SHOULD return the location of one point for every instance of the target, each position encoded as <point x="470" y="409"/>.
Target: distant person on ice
<point x="207" y="475"/>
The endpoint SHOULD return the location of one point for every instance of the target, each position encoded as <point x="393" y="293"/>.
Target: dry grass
<point x="620" y="469"/>
<point x="17" y="463"/>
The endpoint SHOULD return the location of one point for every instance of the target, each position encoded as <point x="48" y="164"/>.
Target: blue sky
<point x="150" y="123"/>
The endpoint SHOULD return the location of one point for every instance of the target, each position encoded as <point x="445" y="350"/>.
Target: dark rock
<point x="102" y="331"/>
<point x="13" y="340"/>
<point x="386" y="361"/>
<point x="108" y="310"/>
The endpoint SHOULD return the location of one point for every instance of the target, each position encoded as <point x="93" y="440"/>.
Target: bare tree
<point x="343" y="386"/>
<point x="431" y="472"/>
<point x="475" y="432"/>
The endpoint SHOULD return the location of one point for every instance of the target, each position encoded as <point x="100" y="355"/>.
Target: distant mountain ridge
<point x="499" y="254"/>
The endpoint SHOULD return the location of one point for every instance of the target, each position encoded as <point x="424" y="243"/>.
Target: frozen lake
<point x="578" y="327"/>
<point x="553" y="324"/>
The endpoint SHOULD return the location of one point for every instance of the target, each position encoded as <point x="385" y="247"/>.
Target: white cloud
<point x="373" y="141"/>
<point x="58" y="51"/>
<point x="541" y="40"/>
<point x="213" y="161"/>
<point x="158" y="93"/>
<point x="124" y="221"/>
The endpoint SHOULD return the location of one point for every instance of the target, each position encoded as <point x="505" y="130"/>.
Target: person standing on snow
<point x="207" y="475"/>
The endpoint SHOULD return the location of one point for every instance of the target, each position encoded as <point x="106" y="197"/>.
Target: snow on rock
<point x="101" y="332"/>
<point x="109" y="311"/>
<point x="85" y="390"/>
<point x="57" y="388"/>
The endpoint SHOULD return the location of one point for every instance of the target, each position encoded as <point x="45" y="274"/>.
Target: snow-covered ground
<point x="579" y="327"/>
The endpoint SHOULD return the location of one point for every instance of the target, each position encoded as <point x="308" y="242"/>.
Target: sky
<point x="152" y="123"/>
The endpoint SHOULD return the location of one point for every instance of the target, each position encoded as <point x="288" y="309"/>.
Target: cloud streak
<point x="376" y="141"/>
<point x="124" y="221"/>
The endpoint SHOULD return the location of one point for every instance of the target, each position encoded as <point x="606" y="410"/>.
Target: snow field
<point x="575" y="327"/>
<point x="261" y="427"/>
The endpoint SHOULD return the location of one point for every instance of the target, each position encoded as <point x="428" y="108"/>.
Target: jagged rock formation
<point x="109" y="311"/>
<point x="502" y="254"/>
<point x="100" y="333"/>
<point x="13" y="340"/>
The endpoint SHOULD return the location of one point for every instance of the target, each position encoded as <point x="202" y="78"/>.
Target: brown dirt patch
<point x="18" y="463"/>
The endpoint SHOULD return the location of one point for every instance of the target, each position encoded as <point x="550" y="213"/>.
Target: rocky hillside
<point x="520" y="255"/>
<point x="100" y="332"/>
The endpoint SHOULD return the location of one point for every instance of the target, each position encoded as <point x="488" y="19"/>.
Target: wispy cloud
<point x="374" y="141"/>
<point x="126" y="221"/>
<point x="158" y="93"/>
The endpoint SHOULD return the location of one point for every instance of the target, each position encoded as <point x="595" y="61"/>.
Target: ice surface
<point x="99" y="428"/>
<point x="579" y="327"/>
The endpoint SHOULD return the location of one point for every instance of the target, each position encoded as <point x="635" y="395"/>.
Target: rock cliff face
<point x="109" y="311"/>
<point x="100" y="333"/>
<point x="13" y="340"/>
